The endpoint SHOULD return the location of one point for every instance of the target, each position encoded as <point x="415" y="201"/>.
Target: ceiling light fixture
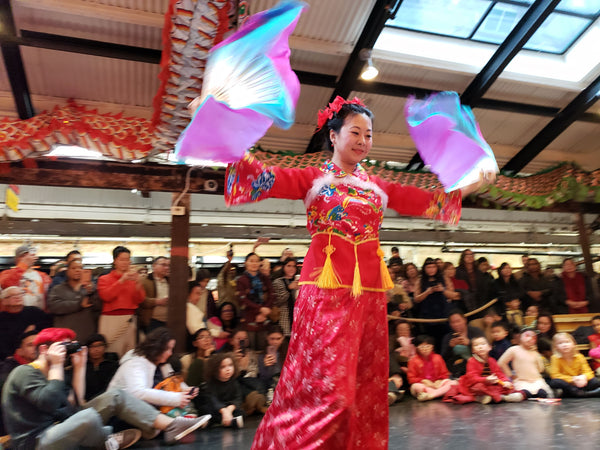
<point x="369" y="71"/>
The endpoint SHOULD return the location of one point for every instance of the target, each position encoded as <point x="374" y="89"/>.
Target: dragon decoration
<point x="191" y="28"/>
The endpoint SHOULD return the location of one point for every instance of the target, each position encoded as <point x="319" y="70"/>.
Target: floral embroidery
<point x="263" y="183"/>
<point x="359" y="171"/>
<point x="444" y="207"/>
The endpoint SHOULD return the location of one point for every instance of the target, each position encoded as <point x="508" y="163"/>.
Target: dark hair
<point x="73" y="252"/>
<point x="455" y="312"/>
<point x="552" y="331"/>
<point x="289" y="260"/>
<point x="26" y="334"/>
<point x="251" y="254"/>
<point x="155" y="344"/>
<point x="234" y="321"/>
<point x="118" y="250"/>
<point x="514" y="330"/>
<point x="195" y="335"/>
<point x="424" y="339"/>
<point x="95" y="338"/>
<point x="214" y="364"/>
<point x="481" y="260"/>
<point x="501" y="323"/>
<point x="274" y="329"/>
<point x="438" y="277"/>
<point x="544" y="345"/>
<point x="337" y="121"/>
<point x="395" y="249"/>
<point x="202" y="274"/>
<point x="176" y="365"/>
<point x="595" y="318"/>
<point x="461" y="260"/>
<point x="567" y="259"/>
<point x="502" y="266"/>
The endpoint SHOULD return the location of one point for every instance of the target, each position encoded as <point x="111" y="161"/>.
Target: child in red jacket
<point x="484" y="381"/>
<point x="427" y="371"/>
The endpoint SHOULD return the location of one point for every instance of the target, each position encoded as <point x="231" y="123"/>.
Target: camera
<point x="72" y="347"/>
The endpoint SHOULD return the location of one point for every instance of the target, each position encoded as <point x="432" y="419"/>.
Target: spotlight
<point x="369" y="72"/>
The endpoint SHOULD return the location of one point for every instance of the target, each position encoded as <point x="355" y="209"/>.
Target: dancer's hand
<point x="485" y="178"/>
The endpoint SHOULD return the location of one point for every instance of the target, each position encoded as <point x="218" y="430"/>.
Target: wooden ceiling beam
<point x="95" y="10"/>
<point x="145" y="177"/>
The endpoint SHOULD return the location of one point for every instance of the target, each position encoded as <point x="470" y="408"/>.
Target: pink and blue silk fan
<point x="449" y="140"/>
<point x="248" y="86"/>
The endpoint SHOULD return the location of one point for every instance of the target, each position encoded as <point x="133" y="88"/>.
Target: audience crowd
<point x="95" y="347"/>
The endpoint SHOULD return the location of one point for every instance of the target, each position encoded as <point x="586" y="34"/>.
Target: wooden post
<point x="178" y="281"/>
<point x="584" y="242"/>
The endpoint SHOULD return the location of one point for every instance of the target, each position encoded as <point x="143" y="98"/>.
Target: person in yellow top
<point x="570" y="373"/>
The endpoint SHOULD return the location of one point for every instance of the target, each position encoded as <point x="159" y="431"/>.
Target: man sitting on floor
<point x="41" y="410"/>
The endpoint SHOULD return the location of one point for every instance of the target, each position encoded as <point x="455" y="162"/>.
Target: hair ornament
<point x="334" y="107"/>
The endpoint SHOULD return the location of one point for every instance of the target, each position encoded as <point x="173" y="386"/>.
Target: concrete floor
<point x="572" y="424"/>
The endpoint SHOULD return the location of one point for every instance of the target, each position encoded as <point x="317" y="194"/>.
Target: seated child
<point x="514" y="315"/>
<point x="569" y="370"/>
<point x="595" y="342"/>
<point x="532" y="311"/>
<point x="500" y="341"/>
<point x="223" y="392"/>
<point x="401" y="350"/>
<point x="484" y="381"/>
<point x="427" y="371"/>
<point x="528" y="366"/>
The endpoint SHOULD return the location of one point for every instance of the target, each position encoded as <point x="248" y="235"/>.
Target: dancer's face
<point x="354" y="140"/>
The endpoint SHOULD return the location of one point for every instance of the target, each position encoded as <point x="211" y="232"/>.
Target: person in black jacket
<point x="223" y="392"/>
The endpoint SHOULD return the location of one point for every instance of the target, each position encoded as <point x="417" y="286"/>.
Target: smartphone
<point x="272" y="350"/>
<point x="193" y="391"/>
<point x="86" y="276"/>
<point x="243" y="346"/>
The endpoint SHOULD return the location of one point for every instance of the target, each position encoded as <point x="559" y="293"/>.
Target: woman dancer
<point x="332" y="390"/>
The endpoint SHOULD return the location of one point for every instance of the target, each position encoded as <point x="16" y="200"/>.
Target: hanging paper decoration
<point x="449" y="140"/>
<point x="191" y="29"/>
<point x="248" y="85"/>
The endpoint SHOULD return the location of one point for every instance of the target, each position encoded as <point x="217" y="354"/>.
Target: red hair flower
<point x="334" y="107"/>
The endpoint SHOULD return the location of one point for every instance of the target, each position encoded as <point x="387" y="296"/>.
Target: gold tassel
<point x="328" y="278"/>
<point x="386" y="280"/>
<point x="356" y="282"/>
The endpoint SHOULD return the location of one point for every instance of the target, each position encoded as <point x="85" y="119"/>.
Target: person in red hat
<point x="43" y="411"/>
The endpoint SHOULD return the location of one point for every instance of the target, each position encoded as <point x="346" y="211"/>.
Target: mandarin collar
<point x="330" y="167"/>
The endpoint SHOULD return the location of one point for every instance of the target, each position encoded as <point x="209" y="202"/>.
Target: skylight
<point x="492" y="21"/>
